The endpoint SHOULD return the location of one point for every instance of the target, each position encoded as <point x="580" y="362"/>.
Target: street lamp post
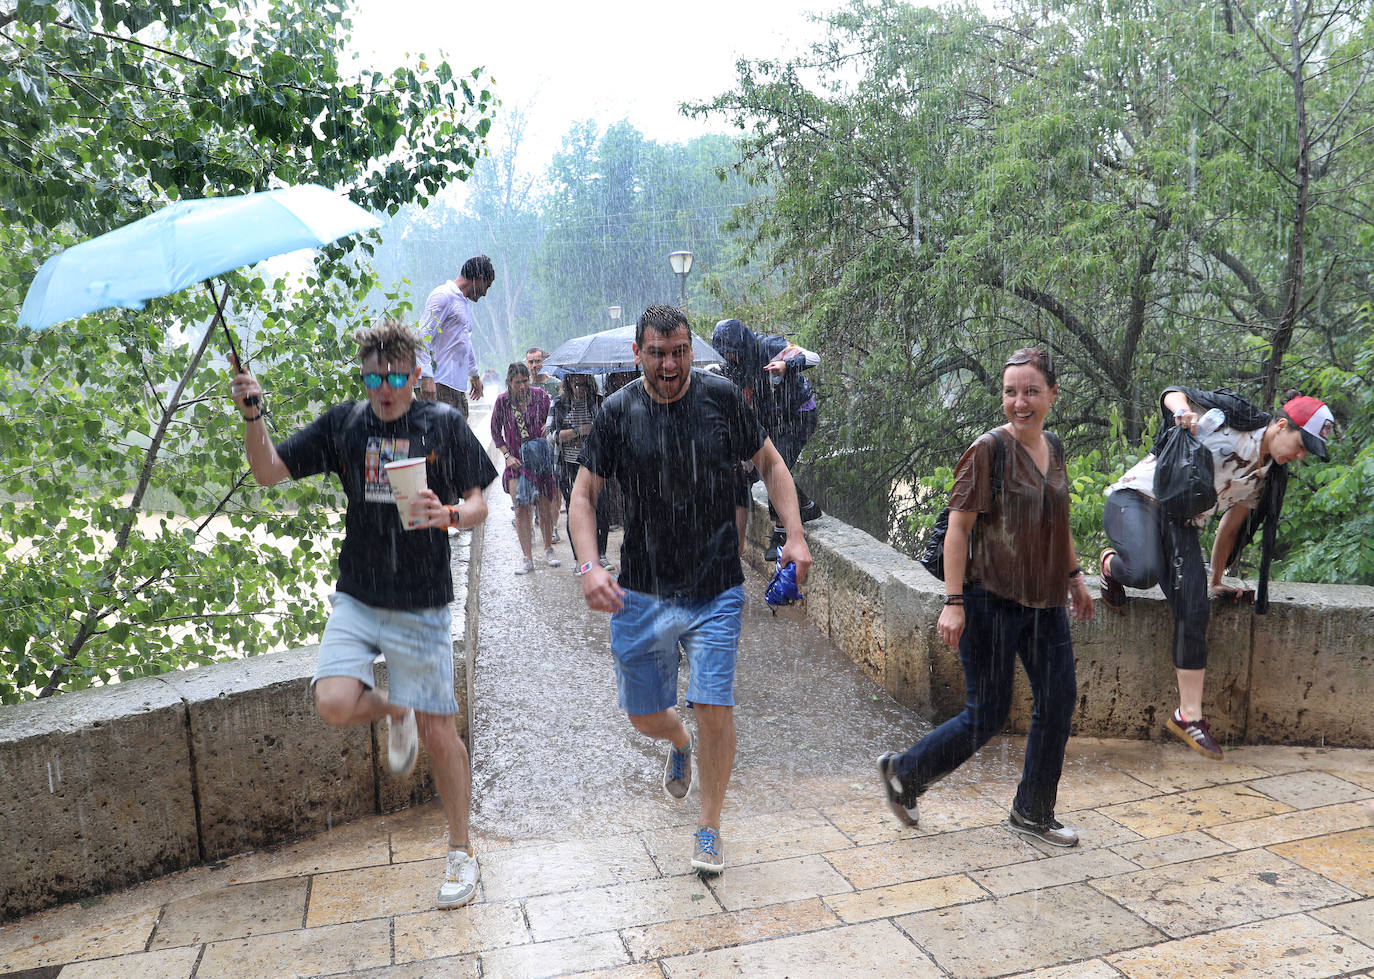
<point x="615" y="317"/>
<point x="682" y="264"/>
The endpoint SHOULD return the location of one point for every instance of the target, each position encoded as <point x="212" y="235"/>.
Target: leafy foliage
<point x="116" y="427"/>
<point x="593" y="230"/>
<point x="1156" y="192"/>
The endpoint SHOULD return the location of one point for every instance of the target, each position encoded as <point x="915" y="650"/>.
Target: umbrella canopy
<point x="183" y="243"/>
<point x="610" y="350"/>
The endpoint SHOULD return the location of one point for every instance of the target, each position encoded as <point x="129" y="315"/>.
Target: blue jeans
<point x="997" y="631"/>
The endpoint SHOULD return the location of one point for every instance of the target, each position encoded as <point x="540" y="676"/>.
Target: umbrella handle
<point x="252" y="400"/>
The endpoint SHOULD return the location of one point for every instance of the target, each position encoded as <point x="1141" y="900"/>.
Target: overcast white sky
<point x="607" y="59"/>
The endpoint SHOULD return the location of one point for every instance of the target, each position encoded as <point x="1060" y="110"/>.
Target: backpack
<point x="933" y="553"/>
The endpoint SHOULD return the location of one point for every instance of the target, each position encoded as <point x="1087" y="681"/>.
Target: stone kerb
<point x="105" y="787"/>
<point x="1303" y="674"/>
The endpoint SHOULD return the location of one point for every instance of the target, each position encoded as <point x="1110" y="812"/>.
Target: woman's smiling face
<point x="1026" y="397"/>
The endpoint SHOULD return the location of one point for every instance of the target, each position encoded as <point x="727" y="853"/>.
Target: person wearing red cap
<point x="1250" y="452"/>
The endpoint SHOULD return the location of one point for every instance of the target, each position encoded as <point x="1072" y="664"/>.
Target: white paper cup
<point x="407" y="478"/>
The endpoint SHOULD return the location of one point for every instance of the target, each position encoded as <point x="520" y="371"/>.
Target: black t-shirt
<point x="381" y="563"/>
<point x="676" y="464"/>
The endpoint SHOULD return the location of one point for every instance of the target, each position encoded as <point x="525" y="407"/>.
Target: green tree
<point x="109" y="424"/>
<point x="1158" y="192"/>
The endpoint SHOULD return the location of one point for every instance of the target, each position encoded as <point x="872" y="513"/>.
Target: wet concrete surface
<point x="549" y="738"/>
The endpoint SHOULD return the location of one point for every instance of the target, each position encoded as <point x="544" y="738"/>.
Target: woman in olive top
<point x="1005" y="598"/>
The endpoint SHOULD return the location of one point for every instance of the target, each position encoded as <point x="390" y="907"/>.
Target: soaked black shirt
<point x="381" y="563"/>
<point x="676" y="464"/>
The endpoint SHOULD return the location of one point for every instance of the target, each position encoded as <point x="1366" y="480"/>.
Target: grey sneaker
<point x="709" y="857"/>
<point x="525" y="566"/>
<point x="550" y="558"/>
<point x="894" y="792"/>
<point x="1052" y="831"/>
<point x="460" y="881"/>
<point x="677" y="771"/>
<point x="402" y="744"/>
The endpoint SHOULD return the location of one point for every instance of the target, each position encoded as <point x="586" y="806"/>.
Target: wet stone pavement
<point x="1260" y="865"/>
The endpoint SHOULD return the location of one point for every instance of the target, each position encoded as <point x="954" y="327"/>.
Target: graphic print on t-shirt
<point x="380" y="451"/>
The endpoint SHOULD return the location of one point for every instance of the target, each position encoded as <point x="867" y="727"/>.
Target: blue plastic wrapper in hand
<point x="782" y="589"/>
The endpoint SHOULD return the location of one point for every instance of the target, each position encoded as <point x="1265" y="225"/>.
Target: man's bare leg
<point x="452" y="773"/>
<point x="715" y="758"/>
<point x="343" y="701"/>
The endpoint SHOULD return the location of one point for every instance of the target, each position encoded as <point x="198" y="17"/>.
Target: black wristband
<point x="1075" y="571"/>
<point x="954" y="599"/>
<point x="254" y="418"/>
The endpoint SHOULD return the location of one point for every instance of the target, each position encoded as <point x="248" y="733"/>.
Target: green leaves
<point x="120" y="559"/>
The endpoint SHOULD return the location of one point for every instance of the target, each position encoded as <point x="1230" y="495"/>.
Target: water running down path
<point x="553" y="751"/>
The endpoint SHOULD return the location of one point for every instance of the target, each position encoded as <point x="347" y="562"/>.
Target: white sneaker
<point x="551" y="559"/>
<point x="402" y="744"/>
<point x="460" y="881"/>
<point x="526" y="566"/>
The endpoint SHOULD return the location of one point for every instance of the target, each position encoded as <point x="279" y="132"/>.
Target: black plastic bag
<point x="1185" y="483"/>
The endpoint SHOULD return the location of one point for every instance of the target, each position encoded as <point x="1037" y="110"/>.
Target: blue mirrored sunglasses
<point x="372" y="380"/>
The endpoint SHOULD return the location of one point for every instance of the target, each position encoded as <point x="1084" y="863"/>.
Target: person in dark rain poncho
<point x="395" y="585"/>
<point x="1007" y="600"/>
<point x="1250" y="452"/>
<point x="769" y="372"/>
<point x="674" y="439"/>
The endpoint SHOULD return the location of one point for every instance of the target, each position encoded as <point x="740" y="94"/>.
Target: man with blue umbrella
<point x="395" y="585"/>
<point x="447" y="362"/>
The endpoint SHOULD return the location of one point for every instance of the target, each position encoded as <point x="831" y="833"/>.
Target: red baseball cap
<point x="1313" y="418"/>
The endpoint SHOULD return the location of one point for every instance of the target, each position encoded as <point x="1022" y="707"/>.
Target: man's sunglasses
<point x="372" y="380"/>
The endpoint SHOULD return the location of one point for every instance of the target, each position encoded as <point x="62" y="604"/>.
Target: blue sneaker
<point x="677" y="771"/>
<point x="709" y="857"/>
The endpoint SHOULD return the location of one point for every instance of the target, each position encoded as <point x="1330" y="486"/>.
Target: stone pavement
<point x="1261" y="865"/>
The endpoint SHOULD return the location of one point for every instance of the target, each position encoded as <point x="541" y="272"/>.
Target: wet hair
<point x="389" y="340"/>
<point x="1037" y="358"/>
<point x="478" y="267"/>
<point x="517" y="369"/>
<point x="565" y="390"/>
<point x="534" y="350"/>
<point x="662" y="319"/>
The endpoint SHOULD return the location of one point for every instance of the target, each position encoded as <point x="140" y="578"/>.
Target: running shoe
<point x="775" y="544"/>
<point x="1051" y="831"/>
<point x="402" y="744"/>
<point x="894" y="792"/>
<point x="1113" y="593"/>
<point x="709" y="857"/>
<point x="677" y="771"/>
<point x="550" y="559"/>
<point x="811" y="511"/>
<point x="1195" y="734"/>
<point x="460" y="881"/>
<point x="525" y="566"/>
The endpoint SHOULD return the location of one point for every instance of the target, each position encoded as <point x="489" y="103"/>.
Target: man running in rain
<point x="446" y="359"/>
<point x="673" y="440"/>
<point x="395" y="585"/>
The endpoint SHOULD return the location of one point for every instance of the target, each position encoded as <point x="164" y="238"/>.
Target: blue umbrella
<point x="185" y="243"/>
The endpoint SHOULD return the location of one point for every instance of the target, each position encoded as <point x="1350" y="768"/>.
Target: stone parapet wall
<point x="1303" y="674"/>
<point x="105" y="787"/>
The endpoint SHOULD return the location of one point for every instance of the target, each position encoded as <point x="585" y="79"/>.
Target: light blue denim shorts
<point x="416" y="644"/>
<point x="646" y="634"/>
